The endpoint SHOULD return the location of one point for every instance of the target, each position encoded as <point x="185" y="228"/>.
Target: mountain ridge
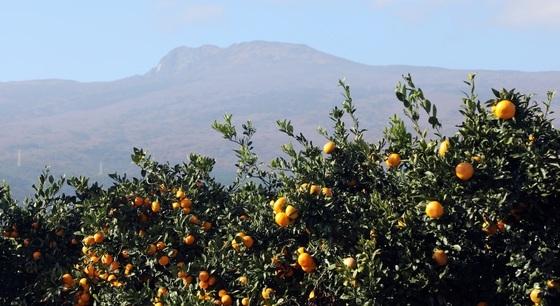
<point x="74" y="126"/>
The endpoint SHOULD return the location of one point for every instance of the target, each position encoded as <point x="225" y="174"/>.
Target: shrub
<point x="416" y="218"/>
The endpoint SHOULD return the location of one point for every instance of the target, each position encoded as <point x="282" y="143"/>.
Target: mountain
<point x="90" y="128"/>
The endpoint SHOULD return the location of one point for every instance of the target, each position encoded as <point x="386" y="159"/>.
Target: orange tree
<point x="413" y="219"/>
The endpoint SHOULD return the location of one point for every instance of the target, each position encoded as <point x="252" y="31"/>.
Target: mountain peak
<point x="184" y="60"/>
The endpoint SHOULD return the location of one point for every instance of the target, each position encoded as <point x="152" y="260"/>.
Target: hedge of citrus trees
<point x="416" y="218"/>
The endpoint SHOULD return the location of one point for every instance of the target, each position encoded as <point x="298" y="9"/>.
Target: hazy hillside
<point x="74" y="126"/>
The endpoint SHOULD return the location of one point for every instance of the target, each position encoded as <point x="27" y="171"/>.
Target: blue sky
<point x="105" y="40"/>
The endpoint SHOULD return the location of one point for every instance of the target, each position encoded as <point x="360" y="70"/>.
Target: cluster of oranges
<point x="284" y="215"/>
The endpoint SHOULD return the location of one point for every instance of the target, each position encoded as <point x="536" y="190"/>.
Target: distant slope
<point x="73" y="126"/>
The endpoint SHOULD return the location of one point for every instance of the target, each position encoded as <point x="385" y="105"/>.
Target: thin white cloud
<point x="529" y="13"/>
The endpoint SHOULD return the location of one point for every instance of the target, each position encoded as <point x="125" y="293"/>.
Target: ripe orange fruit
<point x="180" y="194"/>
<point x="206" y="226"/>
<point x="84" y="282"/>
<point x="444" y="147"/>
<point x="107" y="259"/>
<point x="440" y="257"/>
<point x="279" y="205"/>
<point x="315" y="189"/>
<point x="203" y="285"/>
<point x="163" y="260"/>
<point x="327" y="192"/>
<point x="308" y="269"/>
<point x="152" y="249"/>
<point x="350" y="262"/>
<point x="552" y="284"/>
<point x="266" y="293"/>
<point x="194" y="219"/>
<point x="138" y="201"/>
<point x="203" y="276"/>
<point x="189" y="239"/>
<point x="186" y="203"/>
<point x="329" y="147"/>
<point x="156" y="206"/>
<point x="243" y="280"/>
<point x="245" y="301"/>
<point x="88" y="241"/>
<point x="282" y="219"/>
<point x="248" y="241"/>
<point x="36" y="255"/>
<point x="292" y="212"/>
<point x="504" y="110"/>
<point x="305" y="260"/>
<point x="98" y="237"/>
<point x="114" y="266"/>
<point x="393" y="160"/>
<point x="434" y="210"/>
<point x="222" y="292"/>
<point x="464" y="171"/>
<point x="226" y="300"/>
<point x="535" y="296"/>
<point x="67" y="279"/>
<point x="175" y="205"/>
<point x="160" y="245"/>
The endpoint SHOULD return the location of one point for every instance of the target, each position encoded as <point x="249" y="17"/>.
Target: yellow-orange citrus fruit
<point x="393" y="160"/>
<point x="266" y="293"/>
<point x="504" y="110"/>
<point x="226" y="300"/>
<point x="245" y="301"/>
<point x="156" y="206"/>
<point x="292" y="212"/>
<point x="163" y="260"/>
<point x="248" y="241"/>
<point x="203" y="276"/>
<point x="186" y="203"/>
<point x="434" y="210"/>
<point x="243" y="280"/>
<point x="180" y="194"/>
<point x="305" y="260"/>
<point x="88" y="241"/>
<point x="98" y="237"/>
<point x="282" y="219"/>
<point x="36" y="255"/>
<point x="67" y="279"/>
<point x="138" y="201"/>
<point x="279" y="205"/>
<point x="107" y="259"/>
<point x="189" y="239"/>
<point x="329" y="147"/>
<point x="464" y="171"/>
<point x="315" y="189"/>
<point x="350" y="262"/>
<point x="440" y="257"/>
<point x="444" y="147"/>
<point x="535" y="296"/>
<point x="327" y="192"/>
<point x="175" y="205"/>
<point x="160" y="245"/>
